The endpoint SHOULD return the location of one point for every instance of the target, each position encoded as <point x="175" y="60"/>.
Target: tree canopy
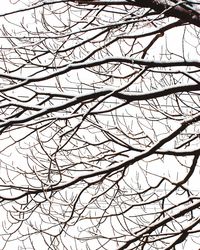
<point x="99" y="124"/>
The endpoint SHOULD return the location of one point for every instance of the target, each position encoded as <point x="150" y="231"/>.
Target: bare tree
<point x="99" y="125"/>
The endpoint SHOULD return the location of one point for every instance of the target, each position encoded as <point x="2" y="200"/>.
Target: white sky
<point x="174" y="47"/>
